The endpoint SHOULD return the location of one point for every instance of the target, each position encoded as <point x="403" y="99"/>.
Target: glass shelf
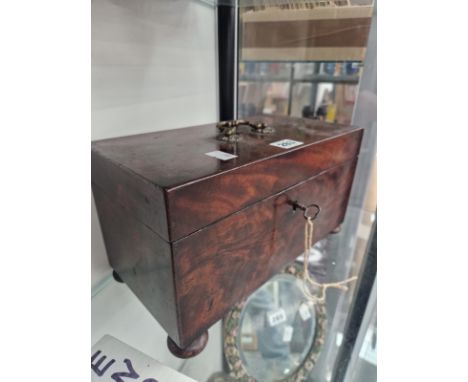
<point x="116" y="311"/>
<point x="298" y="4"/>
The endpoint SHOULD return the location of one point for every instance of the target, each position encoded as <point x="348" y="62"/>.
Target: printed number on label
<point x="286" y="143"/>
<point x="276" y="317"/>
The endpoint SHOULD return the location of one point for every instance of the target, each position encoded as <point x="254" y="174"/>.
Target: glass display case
<point x="363" y="362"/>
<point x="318" y="60"/>
<point x="302" y="58"/>
<point x="318" y="90"/>
<point x="219" y="60"/>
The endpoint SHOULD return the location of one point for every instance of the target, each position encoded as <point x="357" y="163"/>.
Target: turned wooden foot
<point x="190" y="351"/>
<point x="337" y="229"/>
<point x="116" y="277"/>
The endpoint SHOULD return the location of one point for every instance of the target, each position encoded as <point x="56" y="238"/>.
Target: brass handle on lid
<point x="258" y="127"/>
<point x="228" y="129"/>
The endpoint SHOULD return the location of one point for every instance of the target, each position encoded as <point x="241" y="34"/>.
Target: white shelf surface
<point x="115" y="310"/>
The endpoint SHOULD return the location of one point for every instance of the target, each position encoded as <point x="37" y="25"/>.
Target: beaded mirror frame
<point x="231" y="331"/>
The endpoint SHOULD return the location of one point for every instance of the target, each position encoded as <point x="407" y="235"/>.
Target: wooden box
<point x="191" y="234"/>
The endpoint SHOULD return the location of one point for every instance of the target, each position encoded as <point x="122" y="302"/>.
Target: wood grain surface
<point x="198" y="204"/>
<point x="142" y="260"/>
<point x="153" y="176"/>
<point x="225" y="262"/>
<point x="191" y="235"/>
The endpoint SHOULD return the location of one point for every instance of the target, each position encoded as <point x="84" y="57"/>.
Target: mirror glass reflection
<point x="277" y="329"/>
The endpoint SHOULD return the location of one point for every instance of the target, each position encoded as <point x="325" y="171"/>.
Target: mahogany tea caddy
<point x="192" y="234"/>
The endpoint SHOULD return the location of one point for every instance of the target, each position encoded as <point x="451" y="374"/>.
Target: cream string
<point x="308" y="236"/>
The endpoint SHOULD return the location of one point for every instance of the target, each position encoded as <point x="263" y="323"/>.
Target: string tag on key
<point x="309" y="283"/>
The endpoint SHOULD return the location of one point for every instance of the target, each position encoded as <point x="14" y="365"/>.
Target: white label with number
<point x="288" y="333"/>
<point x="286" y="143"/>
<point x="276" y="317"/>
<point x="112" y="360"/>
<point x="221" y="155"/>
<point x="304" y="312"/>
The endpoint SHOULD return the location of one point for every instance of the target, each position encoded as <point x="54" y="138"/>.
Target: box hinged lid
<point x="178" y="181"/>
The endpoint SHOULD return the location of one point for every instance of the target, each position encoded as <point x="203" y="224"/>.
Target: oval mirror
<point x="275" y="334"/>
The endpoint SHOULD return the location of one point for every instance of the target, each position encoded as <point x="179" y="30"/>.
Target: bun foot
<point x="116" y="277"/>
<point x="337" y="229"/>
<point x="190" y="351"/>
